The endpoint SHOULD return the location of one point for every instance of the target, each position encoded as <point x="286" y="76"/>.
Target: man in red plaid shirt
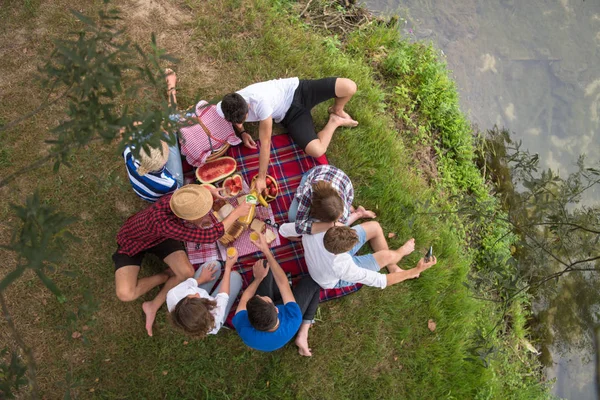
<point x="159" y="230"/>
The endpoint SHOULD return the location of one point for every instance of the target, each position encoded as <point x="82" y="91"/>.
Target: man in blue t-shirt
<point x="270" y="313"/>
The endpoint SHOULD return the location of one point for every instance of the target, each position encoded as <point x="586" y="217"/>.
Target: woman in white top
<point x="197" y="312"/>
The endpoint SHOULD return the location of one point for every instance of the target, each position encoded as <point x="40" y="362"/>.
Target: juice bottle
<point x="251" y="198"/>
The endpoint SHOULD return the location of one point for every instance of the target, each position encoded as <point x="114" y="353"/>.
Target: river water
<point x="533" y="67"/>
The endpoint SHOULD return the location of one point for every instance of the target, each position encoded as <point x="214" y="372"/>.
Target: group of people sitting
<point x="270" y="312"/>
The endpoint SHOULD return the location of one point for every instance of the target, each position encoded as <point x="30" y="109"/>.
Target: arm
<point x="278" y="274"/>
<point x="280" y="278"/>
<point x="207" y="274"/>
<point x="240" y="211"/>
<point x="245" y="136"/>
<point x="401" y="276"/>
<point x="265" y="130"/>
<point x="259" y="272"/>
<point x="227" y="273"/>
<point x="318" y="227"/>
<point x="304" y="224"/>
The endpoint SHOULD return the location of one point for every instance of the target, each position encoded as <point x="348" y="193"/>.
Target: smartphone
<point x="429" y="254"/>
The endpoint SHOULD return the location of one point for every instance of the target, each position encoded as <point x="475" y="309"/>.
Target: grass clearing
<point x="371" y="344"/>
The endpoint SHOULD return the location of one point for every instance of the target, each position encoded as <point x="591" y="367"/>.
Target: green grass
<point x="373" y="344"/>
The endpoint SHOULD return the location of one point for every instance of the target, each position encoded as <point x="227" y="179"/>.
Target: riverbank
<point x="411" y="152"/>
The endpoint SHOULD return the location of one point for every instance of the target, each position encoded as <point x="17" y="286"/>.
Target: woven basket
<point x="218" y="153"/>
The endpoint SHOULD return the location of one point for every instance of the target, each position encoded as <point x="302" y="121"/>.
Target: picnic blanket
<point x="199" y="253"/>
<point x="287" y="165"/>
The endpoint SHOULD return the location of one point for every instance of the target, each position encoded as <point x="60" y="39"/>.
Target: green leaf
<point x="49" y="283"/>
<point x="10" y="277"/>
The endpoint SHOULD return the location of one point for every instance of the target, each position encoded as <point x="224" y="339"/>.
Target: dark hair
<point x="192" y="315"/>
<point x="326" y="204"/>
<point x="262" y="315"/>
<point x="340" y="239"/>
<point x="234" y="108"/>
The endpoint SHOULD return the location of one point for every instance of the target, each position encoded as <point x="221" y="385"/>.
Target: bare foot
<point x="407" y="247"/>
<point x="365" y="213"/>
<point x="302" y="343"/>
<point x="150" y="316"/>
<point x="393" y="268"/>
<point x="340" y="113"/>
<point x="345" y="122"/>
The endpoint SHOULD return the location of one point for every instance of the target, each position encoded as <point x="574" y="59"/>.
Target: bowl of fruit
<point x="272" y="190"/>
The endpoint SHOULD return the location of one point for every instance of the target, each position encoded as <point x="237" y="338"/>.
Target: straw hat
<point x="191" y="202"/>
<point x="153" y="161"/>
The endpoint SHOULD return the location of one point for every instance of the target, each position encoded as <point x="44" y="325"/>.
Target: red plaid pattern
<point x="200" y="253"/>
<point x="193" y="140"/>
<point x="287" y="165"/>
<point x="157" y="223"/>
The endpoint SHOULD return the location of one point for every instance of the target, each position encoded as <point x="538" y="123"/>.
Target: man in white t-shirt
<point x="289" y="102"/>
<point x="332" y="261"/>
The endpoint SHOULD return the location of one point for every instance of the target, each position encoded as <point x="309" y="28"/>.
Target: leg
<point x="308" y="94"/>
<point x="317" y="147"/>
<point x="235" y="286"/>
<point x="174" y="165"/>
<point x="392" y="257"/>
<point x="127" y="285"/>
<point x="373" y="233"/>
<point x="294" y="206"/>
<point x="129" y="288"/>
<point x="179" y="263"/>
<point x="344" y="90"/>
<point x="171" y="79"/>
<point x="307" y="294"/>
<point x="209" y="285"/>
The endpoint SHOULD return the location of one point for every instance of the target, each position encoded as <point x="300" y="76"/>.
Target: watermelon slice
<point x="216" y="170"/>
<point x="233" y="185"/>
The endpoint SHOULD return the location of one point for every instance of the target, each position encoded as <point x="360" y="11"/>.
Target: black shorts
<point x="298" y="120"/>
<point x="161" y="250"/>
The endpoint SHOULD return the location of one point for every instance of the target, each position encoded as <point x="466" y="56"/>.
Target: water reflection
<point x="532" y="67"/>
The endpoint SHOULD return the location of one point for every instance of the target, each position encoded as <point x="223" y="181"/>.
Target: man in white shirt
<point x="332" y="261"/>
<point x="289" y="102"/>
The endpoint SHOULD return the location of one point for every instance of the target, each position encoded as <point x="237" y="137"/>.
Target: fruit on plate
<point x="271" y="191"/>
<point x="233" y="185"/>
<point x="216" y="170"/>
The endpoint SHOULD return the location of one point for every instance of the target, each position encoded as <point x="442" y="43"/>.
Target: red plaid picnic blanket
<point x="287" y="165"/>
<point x="199" y="253"/>
<point x="194" y="142"/>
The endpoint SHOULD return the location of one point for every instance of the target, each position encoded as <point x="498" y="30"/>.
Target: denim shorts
<point x="366" y="261"/>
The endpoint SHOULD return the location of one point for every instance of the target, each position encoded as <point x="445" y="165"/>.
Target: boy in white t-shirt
<point x="289" y="102"/>
<point x="332" y="261"/>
